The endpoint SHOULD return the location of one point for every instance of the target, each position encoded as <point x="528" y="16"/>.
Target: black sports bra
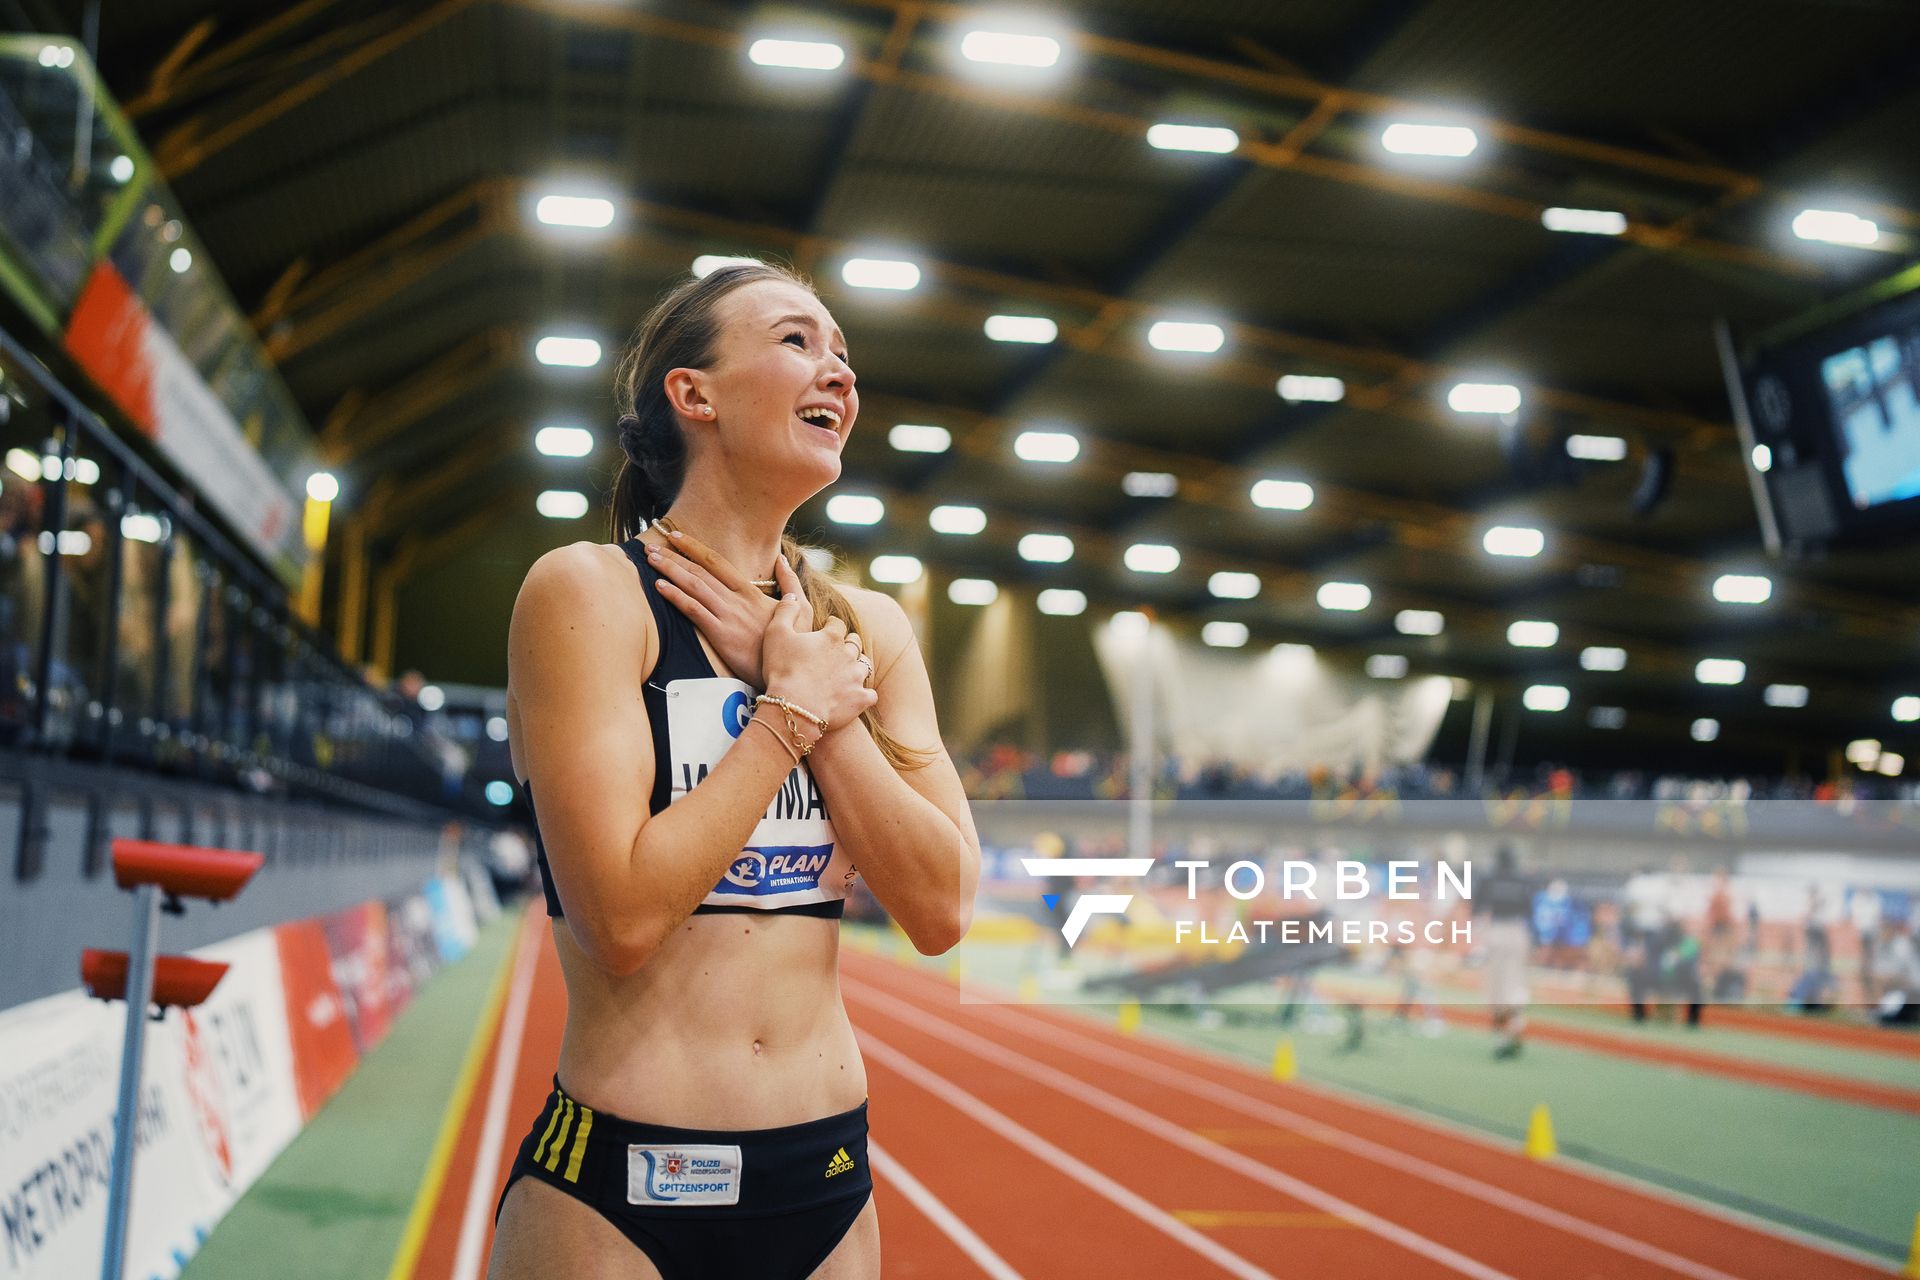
<point x="791" y="864"/>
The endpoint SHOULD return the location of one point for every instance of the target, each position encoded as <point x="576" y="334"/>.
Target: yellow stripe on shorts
<point x="579" y="1143"/>
<point x="559" y="1104"/>
<point x="560" y="1142"/>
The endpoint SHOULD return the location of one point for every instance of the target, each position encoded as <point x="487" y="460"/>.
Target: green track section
<point x="335" y="1202"/>
<point x="1822" y="1166"/>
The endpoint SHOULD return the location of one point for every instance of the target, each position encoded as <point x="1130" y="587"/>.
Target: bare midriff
<point x="735" y="1022"/>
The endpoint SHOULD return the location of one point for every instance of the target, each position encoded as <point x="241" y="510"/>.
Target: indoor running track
<point x="1024" y="1142"/>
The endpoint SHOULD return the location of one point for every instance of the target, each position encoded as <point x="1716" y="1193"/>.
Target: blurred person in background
<point x="1894" y="979"/>
<point x="1502" y="905"/>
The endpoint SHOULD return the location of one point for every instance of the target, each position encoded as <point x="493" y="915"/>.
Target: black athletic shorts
<point x="729" y="1204"/>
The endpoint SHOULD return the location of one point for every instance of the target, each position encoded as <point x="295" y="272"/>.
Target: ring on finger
<point x="866" y="662"/>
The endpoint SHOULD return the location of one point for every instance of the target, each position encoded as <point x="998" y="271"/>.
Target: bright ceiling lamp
<point x="1705" y="729"/>
<point x="1193" y="336"/>
<point x="1832" y="226"/>
<point x="563" y="442"/>
<point x="1151" y="557"/>
<point x="855" y="508"/>
<point x="1603" y="657"/>
<point x="1036" y="329"/>
<point x="1046" y="446"/>
<point x="180" y="260"/>
<point x="1514" y="540"/>
<point x="1028" y="50"/>
<point x="1451" y="141"/>
<point x="708" y="263"/>
<point x="1591" y="222"/>
<point x="1211" y="139"/>
<point x="1344" y="597"/>
<point x="1387" y="666"/>
<point x="880" y="273"/>
<point x="1906" y="709"/>
<point x="1531" y="633"/>
<point x="1298" y="388"/>
<point x="897" y="570"/>
<point x="1483" y="397"/>
<point x="120" y="168"/>
<point x="1149" y="484"/>
<point x="1742" y="588"/>
<point x="323" y="486"/>
<point x="1282" y="495"/>
<point x="1227" y="585"/>
<point x="142" y="527"/>
<point x="1046" y="548"/>
<point x="1546" y="697"/>
<point x="1785" y="695"/>
<point x="567" y="352"/>
<point x="1419" y="622"/>
<point x="1290" y="651"/>
<point x="1597" y="448"/>
<point x="561" y="504"/>
<point x="1890" y="765"/>
<point x="801" y="55"/>
<point x="1224" y="635"/>
<point x="1062" y="602"/>
<point x="586" y="212"/>
<point x="1762" y="458"/>
<point x="956" y="518"/>
<point x="1720" y="671"/>
<point x="1863" y="751"/>
<point x="974" y="591"/>
<point x="915" y="437"/>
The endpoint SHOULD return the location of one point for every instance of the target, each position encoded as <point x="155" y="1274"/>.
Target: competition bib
<point x="791" y="857"/>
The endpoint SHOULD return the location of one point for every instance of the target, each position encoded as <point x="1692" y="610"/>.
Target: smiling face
<point x="782" y="396"/>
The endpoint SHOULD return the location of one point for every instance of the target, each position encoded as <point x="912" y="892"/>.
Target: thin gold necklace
<point x="666" y="524"/>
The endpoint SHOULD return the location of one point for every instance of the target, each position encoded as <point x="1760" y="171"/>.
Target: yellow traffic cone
<point x="1913" y="1252"/>
<point x="1540" y="1144"/>
<point x="1284" y="1067"/>
<point x="1130" y="1016"/>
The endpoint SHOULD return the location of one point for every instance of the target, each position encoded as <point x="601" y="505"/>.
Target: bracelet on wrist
<point x="793" y="709"/>
<point x="785" y="745"/>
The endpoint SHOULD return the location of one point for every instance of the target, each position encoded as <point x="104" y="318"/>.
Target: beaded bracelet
<point x="792" y="708"/>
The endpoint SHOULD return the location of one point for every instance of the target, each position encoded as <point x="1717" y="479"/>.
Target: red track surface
<point x="1072" y="1150"/>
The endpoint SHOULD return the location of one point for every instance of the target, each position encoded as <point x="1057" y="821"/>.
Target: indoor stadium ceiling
<point x="364" y="172"/>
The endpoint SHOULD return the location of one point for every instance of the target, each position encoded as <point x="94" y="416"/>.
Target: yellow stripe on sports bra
<point x="559" y="1143"/>
<point x="559" y="1105"/>
<point x="579" y="1143"/>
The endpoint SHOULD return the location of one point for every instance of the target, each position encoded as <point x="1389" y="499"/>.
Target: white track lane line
<point x="1448" y="1129"/>
<point x="506" y="1063"/>
<point x="1328" y="1135"/>
<point x="1160" y="1127"/>
<point x="942" y="1217"/>
<point x="1081" y="1172"/>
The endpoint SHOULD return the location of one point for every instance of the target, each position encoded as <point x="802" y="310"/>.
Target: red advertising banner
<point x="323" y="1050"/>
<point x="357" y="948"/>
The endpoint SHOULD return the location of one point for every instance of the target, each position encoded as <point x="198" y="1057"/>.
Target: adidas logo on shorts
<point x="841" y="1163"/>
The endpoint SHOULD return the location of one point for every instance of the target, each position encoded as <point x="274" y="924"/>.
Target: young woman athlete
<point x="700" y="828"/>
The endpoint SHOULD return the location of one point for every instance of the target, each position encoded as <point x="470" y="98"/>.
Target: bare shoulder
<point x="578" y="603"/>
<point x="882" y="621"/>
<point x="575" y="570"/>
